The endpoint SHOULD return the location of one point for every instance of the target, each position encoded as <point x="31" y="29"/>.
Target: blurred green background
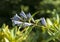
<point x="8" y="8"/>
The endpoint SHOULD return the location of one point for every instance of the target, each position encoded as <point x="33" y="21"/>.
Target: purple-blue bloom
<point x="43" y="21"/>
<point x="16" y="17"/>
<point x="20" y="23"/>
<point x="16" y="22"/>
<point x="22" y="14"/>
<point x="29" y="16"/>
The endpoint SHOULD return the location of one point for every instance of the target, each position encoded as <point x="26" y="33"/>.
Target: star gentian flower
<point x="22" y="14"/>
<point x="16" y="17"/>
<point x="25" y="17"/>
<point x="16" y="22"/>
<point x="43" y="21"/>
<point x="20" y="23"/>
<point x="29" y="16"/>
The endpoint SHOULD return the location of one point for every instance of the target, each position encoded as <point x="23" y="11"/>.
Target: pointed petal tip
<point x="43" y="21"/>
<point x="22" y="14"/>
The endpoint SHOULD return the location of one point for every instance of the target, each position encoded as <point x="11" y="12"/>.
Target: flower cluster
<point x="19" y="20"/>
<point x="23" y="18"/>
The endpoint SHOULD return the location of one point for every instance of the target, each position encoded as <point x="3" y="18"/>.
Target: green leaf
<point x="57" y="18"/>
<point x="49" y="22"/>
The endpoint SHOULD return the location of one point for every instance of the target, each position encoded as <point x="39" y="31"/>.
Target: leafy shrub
<point x="40" y="30"/>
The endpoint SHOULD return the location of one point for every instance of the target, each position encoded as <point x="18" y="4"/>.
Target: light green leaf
<point x="49" y="22"/>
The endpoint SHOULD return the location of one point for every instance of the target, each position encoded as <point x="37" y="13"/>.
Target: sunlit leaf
<point x="49" y="22"/>
<point x="57" y="19"/>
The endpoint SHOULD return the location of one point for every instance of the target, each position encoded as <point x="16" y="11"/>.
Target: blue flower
<point x="22" y="14"/>
<point x="29" y="16"/>
<point x="16" y="17"/>
<point x="18" y="23"/>
<point x="43" y="21"/>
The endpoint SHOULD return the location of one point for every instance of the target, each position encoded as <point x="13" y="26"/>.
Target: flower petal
<point x="43" y="21"/>
<point x="16" y="22"/>
<point x="29" y="16"/>
<point x="20" y="23"/>
<point x="22" y="14"/>
<point x="27" y="24"/>
<point x="16" y="17"/>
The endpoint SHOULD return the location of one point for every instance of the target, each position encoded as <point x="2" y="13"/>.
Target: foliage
<point x="38" y="32"/>
<point x="44" y="29"/>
